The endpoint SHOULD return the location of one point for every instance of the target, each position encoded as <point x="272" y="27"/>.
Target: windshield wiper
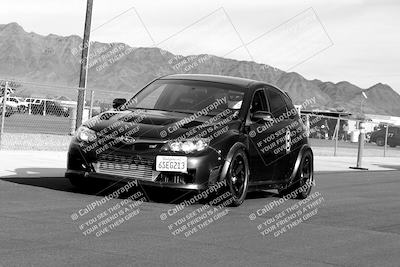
<point x="177" y="111"/>
<point x="191" y="112"/>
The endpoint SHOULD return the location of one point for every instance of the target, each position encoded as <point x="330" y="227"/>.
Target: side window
<point x="292" y="110"/>
<point x="259" y="102"/>
<point x="276" y="102"/>
<point x="289" y="103"/>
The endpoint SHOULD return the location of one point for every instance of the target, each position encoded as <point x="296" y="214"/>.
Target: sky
<point x="343" y="40"/>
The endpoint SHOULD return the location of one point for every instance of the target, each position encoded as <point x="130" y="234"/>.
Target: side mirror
<point x="262" y="116"/>
<point x="117" y="102"/>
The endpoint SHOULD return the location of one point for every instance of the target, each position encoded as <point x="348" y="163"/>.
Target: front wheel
<point x="237" y="177"/>
<point x="300" y="188"/>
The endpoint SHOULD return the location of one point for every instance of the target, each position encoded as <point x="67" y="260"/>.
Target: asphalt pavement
<point x="352" y="219"/>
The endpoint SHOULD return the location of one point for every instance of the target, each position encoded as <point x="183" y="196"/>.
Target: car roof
<point x="242" y="82"/>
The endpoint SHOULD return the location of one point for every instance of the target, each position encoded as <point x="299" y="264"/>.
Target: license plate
<point x="171" y="164"/>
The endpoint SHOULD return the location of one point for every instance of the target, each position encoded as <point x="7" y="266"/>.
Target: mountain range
<point x="119" y="70"/>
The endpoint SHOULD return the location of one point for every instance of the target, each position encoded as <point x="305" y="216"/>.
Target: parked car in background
<point x="32" y="100"/>
<point x="9" y="110"/>
<point x="11" y="107"/>
<point x="33" y="105"/>
<point x="18" y="103"/>
<point x="393" y="138"/>
<point x="47" y="107"/>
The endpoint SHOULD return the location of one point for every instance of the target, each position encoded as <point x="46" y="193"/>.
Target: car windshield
<point x="188" y="97"/>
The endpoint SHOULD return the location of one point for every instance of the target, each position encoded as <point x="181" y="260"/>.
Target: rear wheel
<point x="380" y="141"/>
<point x="392" y="145"/>
<point x="300" y="188"/>
<point x="237" y="177"/>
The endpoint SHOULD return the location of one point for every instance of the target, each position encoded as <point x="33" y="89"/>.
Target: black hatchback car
<point x="49" y="107"/>
<point x="393" y="136"/>
<point x="191" y="132"/>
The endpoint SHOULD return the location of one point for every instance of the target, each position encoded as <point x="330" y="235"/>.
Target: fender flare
<point x="229" y="157"/>
<point x="302" y="150"/>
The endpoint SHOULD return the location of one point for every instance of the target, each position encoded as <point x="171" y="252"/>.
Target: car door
<point x="260" y="155"/>
<point x="394" y="136"/>
<point x="391" y="135"/>
<point x="284" y="130"/>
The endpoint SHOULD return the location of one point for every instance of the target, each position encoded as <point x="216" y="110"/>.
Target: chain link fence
<point x="339" y="136"/>
<point x="42" y="117"/>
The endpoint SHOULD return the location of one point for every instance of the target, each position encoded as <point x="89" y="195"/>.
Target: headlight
<point x="85" y="134"/>
<point x="187" y="146"/>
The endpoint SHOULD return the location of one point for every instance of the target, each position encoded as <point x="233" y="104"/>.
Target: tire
<point x="392" y="145"/>
<point x="380" y="141"/>
<point x="304" y="178"/>
<point x="237" y="178"/>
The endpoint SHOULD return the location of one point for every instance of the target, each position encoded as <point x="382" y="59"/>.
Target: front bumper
<point x="203" y="168"/>
<point x="94" y="175"/>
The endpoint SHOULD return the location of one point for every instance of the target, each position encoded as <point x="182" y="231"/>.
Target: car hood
<point x="151" y="124"/>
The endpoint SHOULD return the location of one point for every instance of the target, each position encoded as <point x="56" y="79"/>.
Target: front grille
<point x="127" y="166"/>
<point x="140" y="145"/>
<point x="176" y="178"/>
<point x="146" y="146"/>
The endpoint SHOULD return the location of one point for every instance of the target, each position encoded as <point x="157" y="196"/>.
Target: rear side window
<point x="258" y="103"/>
<point x="289" y="103"/>
<point x="394" y="130"/>
<point x="276" y="102"/>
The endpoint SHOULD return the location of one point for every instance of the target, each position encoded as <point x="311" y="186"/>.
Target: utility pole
<point x="3" y="112"/>
<point x="84" y="65"/>
<point x="363" y="98"/>
<point x="361" y="143"/>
